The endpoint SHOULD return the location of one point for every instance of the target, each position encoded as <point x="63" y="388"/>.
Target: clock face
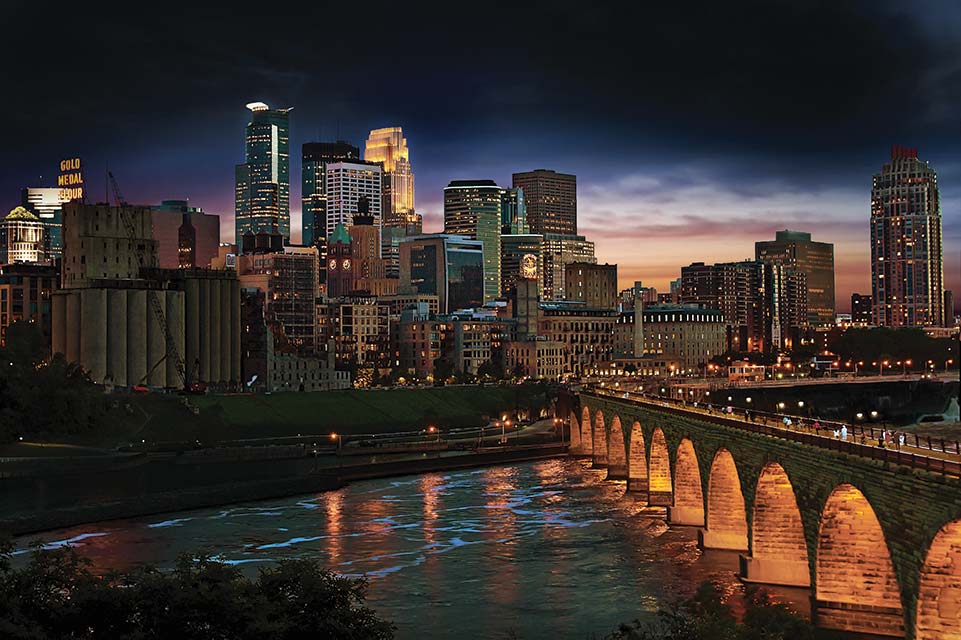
<point x="529" y="266"/>
<point x="332" y="265"/>
<point x="347" y="264"/>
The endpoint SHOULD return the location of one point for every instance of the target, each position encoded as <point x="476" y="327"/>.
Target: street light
<point x="748" y="399"/>
<point x="336" y="438"/>
<point x="859" y="416"/>
<point x="874" y="414"/>
<point x="780" y="405"/>
<point x="800" y="404"/>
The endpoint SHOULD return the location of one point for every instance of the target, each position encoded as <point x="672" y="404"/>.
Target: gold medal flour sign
<point x="70" y="180"/>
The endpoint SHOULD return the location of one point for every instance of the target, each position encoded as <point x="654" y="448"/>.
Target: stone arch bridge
<point x="878" y="544"/>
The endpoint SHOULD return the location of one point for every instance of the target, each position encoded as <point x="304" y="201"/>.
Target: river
<point x="528" y="550"/>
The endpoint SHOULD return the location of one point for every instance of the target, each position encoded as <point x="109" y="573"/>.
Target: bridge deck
<point x="947" y="463"/>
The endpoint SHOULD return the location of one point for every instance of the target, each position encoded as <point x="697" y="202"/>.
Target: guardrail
<point x="906" y="458"/>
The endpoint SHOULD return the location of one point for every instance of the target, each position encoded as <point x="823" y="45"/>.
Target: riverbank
<point x="149" y="485"/>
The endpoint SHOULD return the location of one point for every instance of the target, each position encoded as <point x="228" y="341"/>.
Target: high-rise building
<point x="315" y="158"/>
<point x="388" y="146"/>
<point x="907" y="272"/>
<point x="593" y="284"/>
<point x="349" y="181"/>
<point x="340" y="268"/>
<point x="514" y="212"/>
<point x="559" y="251"/>
<point x="365" y="246"/>
<point x="22" y="238"/>
<point x="448" y="266"/>
<point x="861" y="309"/>
<point x="262" y="194"/>
<point x="186" y="237"/>
<point x="521" y="257"/>
<point x="474" y="208"/>
<point x="551" y="200"/>
<point x="814" y="259"/>
<point x="47" y="204"/>
<point x="948" y="308"/>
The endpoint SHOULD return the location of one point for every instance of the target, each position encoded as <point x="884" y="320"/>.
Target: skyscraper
<point x="475" y="208"/>
<point x="450" y="267"/>
<point x="814" y="259"/>
<point x="315" y="158"/>
<point x="551" y="200"/>
<point x="47" y="204"/>
<point x="907" y="272"/>
<point x="262" y="193"/>
<point x="559" y="251"/>
<point x="388" y="146"/>
<point x="349" y="181"/>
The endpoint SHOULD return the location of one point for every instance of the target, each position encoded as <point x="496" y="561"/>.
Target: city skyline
<point x="690" y="167"/>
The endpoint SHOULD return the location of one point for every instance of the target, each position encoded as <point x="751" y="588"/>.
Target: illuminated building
<point x="521" y="257"/>
<point x="593" y="284"/>
<point x="47" y="204"/>
<point x="551" y="200"/>
<point x="684" y="334"/>
<point x="339" y="267"/>
<point x="388" y="146"/>
<point x="365" y="246"/>
<point x="22" y="237"/>
<point x="262" y="182"/>
<point x="815" y="260"/>
<point x="186" y="237"/>
<point x="907" y="272"/>
<point x="559" y="251"/>
<point x="315" y="158"/>
<point x="347" y="183"/>
<point x="447" y="266"/>
<point x="478" y="209"/>
<point x="861" y="309"/>
<point x="25" y="294"/>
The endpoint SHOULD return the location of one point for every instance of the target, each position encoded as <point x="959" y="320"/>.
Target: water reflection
<point x="533" y="549"/>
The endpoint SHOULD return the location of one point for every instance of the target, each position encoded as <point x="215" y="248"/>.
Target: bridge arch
<point x="586" y="431"/>
<point x="616" y="457"/>
<point x="726" y="516"/>
<point x="856" y="589"/>
<point x="575" y="433"/>
<point x="779" y="553"/>
<point x="637" y="461"/>
<point x="660" y="492"/>
<point x="688" y="508"/>
<point x="600" y="440"/>
<point x="939" y="593"/>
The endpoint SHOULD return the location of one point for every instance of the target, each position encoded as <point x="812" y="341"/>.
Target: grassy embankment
<point x="164" y="418"/>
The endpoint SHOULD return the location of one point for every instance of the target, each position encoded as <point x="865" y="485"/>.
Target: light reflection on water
<point x="527" y="550"/>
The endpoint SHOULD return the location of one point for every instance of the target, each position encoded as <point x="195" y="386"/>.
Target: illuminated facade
<point x="47" y="204"/>
<point x="22" y="238"/>
<point x="593" y="284"/>
<point x="521" y="257"/>
<point x="815" y="260"/>
<point x="551" y="200"/>
<point x="262" y="182"/>
<point x="477" y="209"/>
<point x="907" y="271"/>
<point x="348" y="182"/>
<point x="388" y="146"/>
<point x="559" y="251"/>
<point x="315" y="158"/>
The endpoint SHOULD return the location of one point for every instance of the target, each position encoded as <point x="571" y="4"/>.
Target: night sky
<point x="693" y="130"/>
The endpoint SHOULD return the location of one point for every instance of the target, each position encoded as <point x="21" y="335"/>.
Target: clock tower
<point x="340" y="278"/>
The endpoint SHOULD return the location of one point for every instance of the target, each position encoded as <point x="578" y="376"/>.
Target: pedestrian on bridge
<point x="844" y="432"/>
<point x="900" y="441"/>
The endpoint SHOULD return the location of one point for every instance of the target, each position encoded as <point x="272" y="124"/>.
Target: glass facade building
<point x="315" y="158"/>
<point x="262" y="182"/>
<point x="815" y="260"/>
<point x="47" y="204"/>
<point x="348" y="182"/>
<point x="388" y="146"/>
<point x="907" y="269"/>
<point x="450" y="267"/>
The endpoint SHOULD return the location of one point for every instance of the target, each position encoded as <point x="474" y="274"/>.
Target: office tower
<point x="521" y="258"/>
<point x="22" y="238"/>
<point x="474" y="208"/>
<point x="391" y="235"/>
<point x="514" y="213"/>
<point x="315" y="158"/>
<point x="593" y="284"/>
<point x="262" y="193"/>
<point x="551" y="200"/>
<point x="365" y="245"/>
<point x="861" y="309"/>
<point x="907" y="272"/>
<point x="559" y="251"/>
<point x="187" y="238"/>
<point x="815" y="259"/>
<point x="340" y="269"/>
<point x="448" y="266"/>
<point x="347" y="182"/>
<point x="388" y="146"/>
<point x="47" y="204"/>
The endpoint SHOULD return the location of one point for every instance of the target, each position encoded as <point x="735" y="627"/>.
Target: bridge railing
<point x="891" y="455"/>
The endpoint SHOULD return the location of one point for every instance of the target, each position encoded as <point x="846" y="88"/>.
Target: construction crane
<point x="156" y="307"/>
